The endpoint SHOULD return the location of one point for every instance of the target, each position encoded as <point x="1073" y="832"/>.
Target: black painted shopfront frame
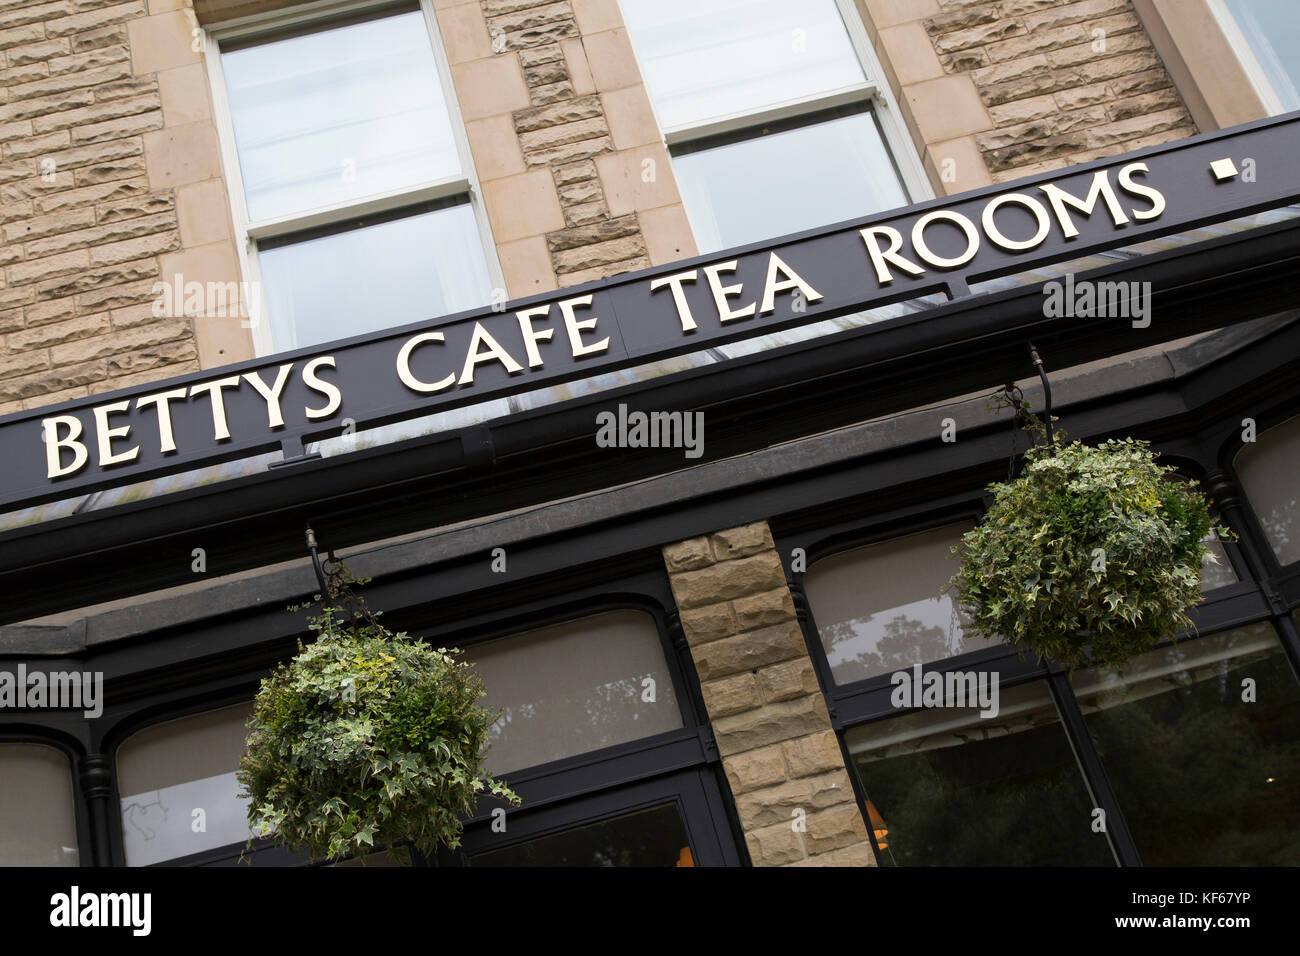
<point x="146" y="689"/>
<point x="1266" y="591"/>
<point x="761" y="400"/>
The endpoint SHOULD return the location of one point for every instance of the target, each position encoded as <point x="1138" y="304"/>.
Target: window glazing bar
<point x="863" y="93"/>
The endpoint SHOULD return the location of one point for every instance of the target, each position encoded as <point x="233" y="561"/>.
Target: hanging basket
<point x="1092" y="555"/>
<point x="365" y="738"/>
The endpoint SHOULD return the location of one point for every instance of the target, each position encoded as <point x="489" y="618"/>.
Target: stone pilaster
<point x="561" y="132"/>
<point x="781" y="757"/>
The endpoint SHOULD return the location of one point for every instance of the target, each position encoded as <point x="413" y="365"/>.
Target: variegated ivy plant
<point x="366" y="737"/>
<point x="1091" y="555"/>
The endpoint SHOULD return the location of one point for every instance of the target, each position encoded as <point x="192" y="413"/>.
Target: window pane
<point x="807" y="176"/>
<point x="168" y="771"/>
<point x="879" y="609"/>
<point x="374" y="277"/>
<point x="652" y="837"/>
<point x="38" y="823"/>
<point x="338" y="114"/>
<point x="706" y="59"/>
<point x="1217" y="573"/>
<point x="575" y="687"/>
<point x="1267" y="469"/>
<point x="1204" y="777"/>
<point x="951" y="788"/>
<point x="1273" y="31"/>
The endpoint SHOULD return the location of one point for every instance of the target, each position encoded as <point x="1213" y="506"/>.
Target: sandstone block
<point x="731" y="695"/>
<point x="755" y="769"/>
<point x="770" y="724"/>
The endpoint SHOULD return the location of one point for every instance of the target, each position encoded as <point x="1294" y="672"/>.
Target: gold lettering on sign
<point x="404" y="365"/>
<point x="1152" y="195"/>
<point x="721" y="293"/>
<point x="106" y="434"/>
<point x="1016" y="245"/>
<point x="575" y="328"/>
<point x="674" y="282"/>
<point x="1100" y="189"/>
<point x="54" y="444"/>
<point x="531" y="335"/>
<point x="271" y="393"/>
<point x="166" y="438"/>
<point x="317" y="384"/>
<point x="220" y="429"/>
<point x="957" y="219"/>
<point x="879" y="257"/>
<point x="494" y="353"/>
<point x="791" y="281"/>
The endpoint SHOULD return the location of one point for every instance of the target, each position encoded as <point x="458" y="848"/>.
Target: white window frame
<point x="248" y="233"/>
<point x="874" y="94"/>
<point x="1246" y="56"/>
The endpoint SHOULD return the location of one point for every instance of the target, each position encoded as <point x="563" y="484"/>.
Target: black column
<point x="95" y="774"/>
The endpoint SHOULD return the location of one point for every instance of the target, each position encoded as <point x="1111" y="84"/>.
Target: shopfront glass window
<point x="882" y="608"/>
<point x="1201" y="741"/>
<point x="647" y="838"/>
<point x="1216" y="569"/>
<point x="575" y="687"/>
<point x="1268" y="468"/>
<point x="38" y="823"/>
<point x="173" y="774"/>
<point x="949" y="787"/>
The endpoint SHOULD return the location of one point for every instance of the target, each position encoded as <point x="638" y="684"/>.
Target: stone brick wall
<point x="562" y="132"/>
<point x="1064" y="83"/>
<point x="109" y="172"/>
<point x="781" y="757"/>
<point x="998" y="89"/>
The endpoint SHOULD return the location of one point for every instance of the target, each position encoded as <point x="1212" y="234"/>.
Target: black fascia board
<point x="549" y="453"/>
<point x="376" y="378"/>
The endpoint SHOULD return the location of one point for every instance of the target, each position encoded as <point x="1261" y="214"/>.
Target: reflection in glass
<point x="1204" y="776"/>
<point x="335" y="115"/>
<point x="1267" y="469"/>
<point x="1216" y="573"/>
<point x="879" y="609"/>
<point x="788" y="180"/>
<point x="38" y="823"/>
<point x="1273" y="31"/>
<point x="706" y="59"/>
<point x="374" y="277"/>
<point x="954" y="789"/>
<point x="575" y="687"/>
<point x="653" y="837"/>
<point x="168" y="771"/>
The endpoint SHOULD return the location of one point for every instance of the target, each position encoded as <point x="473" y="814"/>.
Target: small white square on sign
<point x="1223" y="169"/>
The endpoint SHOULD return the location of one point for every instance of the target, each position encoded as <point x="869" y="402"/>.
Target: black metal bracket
<point x="1047" y="389"/>
<point x="316" y="562"/>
